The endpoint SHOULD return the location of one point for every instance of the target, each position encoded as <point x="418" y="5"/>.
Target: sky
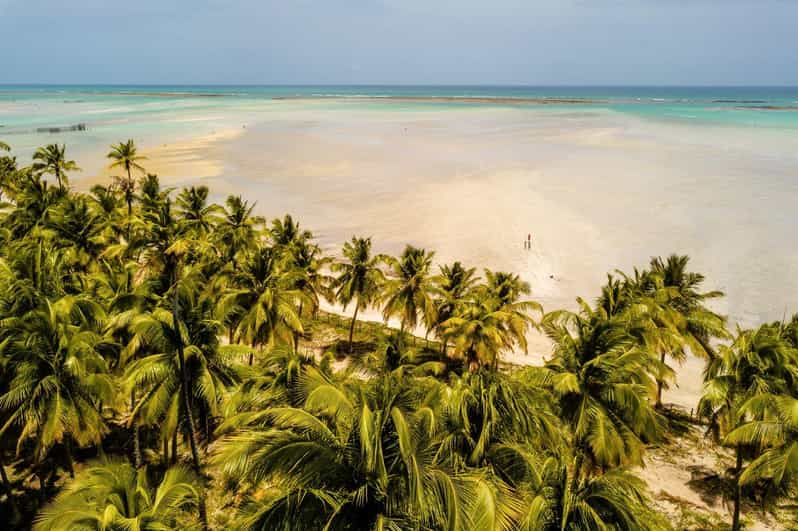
<point x="519" y="42"/>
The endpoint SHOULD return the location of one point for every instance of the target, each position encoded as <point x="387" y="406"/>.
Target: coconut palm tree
<point x="59" y="378"/>
<point x="479" y="333"/>
<point x="286" y="232"/>
<point x="559" y="497"/>
<point x="699" y="325"/>
<point x="778" y="434"/>
<point x="52" y="159"/>
<point x="505" y="291"/>
<point x="9" y="174"/>
<point x="159" y="241"/>
<point x="79" y="230"/>
<point x="237" y="230"/>
<point x="156" y="371"/>
<point x="107" y="203"/>
<point x="408" y="291"/>
<point x="603" y="384"/>
<point x="489" y="416"/>
<point x="32" y="202"/>
<point x="114" y="495"/>
<point x="263" y="295"/>
<point x="197" y="217"/>
<point x="125" y="156"/>
<point x="308" y="266"/>
<point x="184" y="346"/>
<point x="359" y="278"/>
<point x="758" y="362"/>
<point x="452" y="288"/>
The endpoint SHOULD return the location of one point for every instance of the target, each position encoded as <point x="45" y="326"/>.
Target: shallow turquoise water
<point x="25" y="108"/>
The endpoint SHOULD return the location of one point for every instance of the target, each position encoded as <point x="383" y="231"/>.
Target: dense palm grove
<point x="155" y="373"/>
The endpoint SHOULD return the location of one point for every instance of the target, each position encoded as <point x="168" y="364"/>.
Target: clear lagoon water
<point x="24" y="108"/>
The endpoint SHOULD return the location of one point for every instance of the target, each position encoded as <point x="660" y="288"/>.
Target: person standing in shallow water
<point x="528" y="242"/>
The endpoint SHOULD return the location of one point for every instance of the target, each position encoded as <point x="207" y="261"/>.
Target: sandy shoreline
<point x="176" y="163"/>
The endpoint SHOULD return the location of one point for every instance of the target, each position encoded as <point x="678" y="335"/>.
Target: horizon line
<point x="496" y="85"/>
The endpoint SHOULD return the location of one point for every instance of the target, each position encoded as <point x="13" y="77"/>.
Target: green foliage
<point x="114" y="495"/>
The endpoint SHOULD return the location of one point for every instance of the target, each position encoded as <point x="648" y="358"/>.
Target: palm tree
<point x="758" y="362"/>
<point x="9" y="173"/>
<point x="32" y="201"/>
<point x="489" y="417"/>
<point x="698" y="325"/>
<point x="480" y="333"/>
<point x="453" y="287"/>
<point x="307" y="264"/>
<point x="286" y="232"/>
<point x="59" y="379"/>
<point x="114" y="495"/>
<point x="558" y="497"/>
<point x="198" y="218"/>
<point x="601" y="378"/>
<point x="107" y="201"/>
<point x="78" y="230"/>
<point x="180" y="352"/>
<point x="157" y="371"/>
<point x="778" y="464"/>
<point x="262" y="296"/>
<point x="237" y="230"/>
<point x="52" y="159"/>
<point x="505" y="290"/>
<point x="408" y="291"/>
<point x="125" y="155"/>
<point x="359" y="278"/>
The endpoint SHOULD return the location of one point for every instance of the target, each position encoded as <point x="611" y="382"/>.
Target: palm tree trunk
<point x="42" y="485"/>
<point x="192" y="439"/>
<point x="166" y="452"/>
<point x="352" y="327"/>
<point x="136" y="435"/>
<point x="296" y="334"/>
<point x="660" y="383"/>
<point x="129" y="215"/>
<point x="174" y="447"/>
<point x="68" y="452"/>
<point x="7" y="488"/>
<point x="192" y="428"/>
<point x="737" y="490"/>
<point x="207" y="420"/>
<point x="128" y="275"/>
<point x="252" y="353"/>
<point x="6" y="482"/>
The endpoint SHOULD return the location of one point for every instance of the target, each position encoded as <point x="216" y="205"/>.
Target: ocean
<point x="24" y="108"/>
